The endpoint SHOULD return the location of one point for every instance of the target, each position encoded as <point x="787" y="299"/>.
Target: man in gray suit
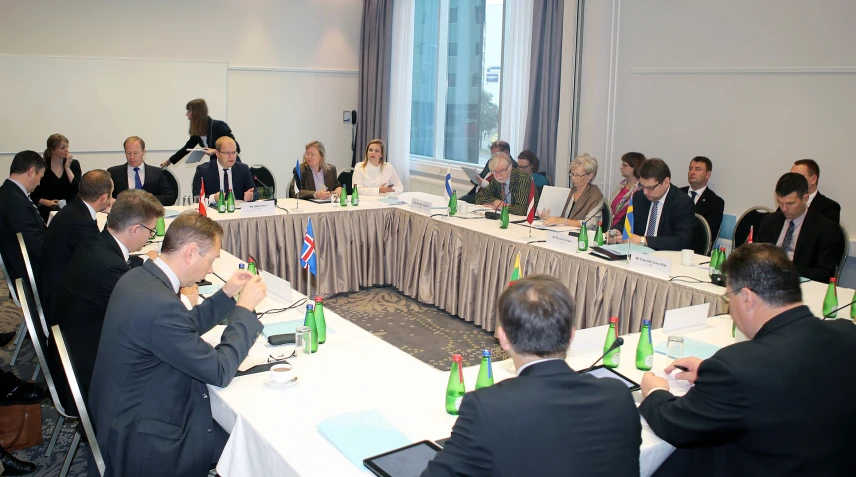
<point x="148" y="395"/>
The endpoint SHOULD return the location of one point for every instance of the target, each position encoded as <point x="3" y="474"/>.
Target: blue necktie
<point x="138" y="184"/>
<point x="789" y="237"/>
<point x="694" y="193"/>
<point x="652" y="222"/>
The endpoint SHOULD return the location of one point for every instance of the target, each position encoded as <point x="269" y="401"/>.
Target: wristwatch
<point x="642" y="241"/>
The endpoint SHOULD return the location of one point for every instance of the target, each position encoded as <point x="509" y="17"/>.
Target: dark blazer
<point x="548" y="421"/>
<point x="71" y="227"/>
<point x="676" y="220"/>
<point x="242" y="179"/>
<point x="711" y="207"/>
<point x="83" y="292"/>
<point x="148" y="396"/>
<point x="155" y="183"/>
<point x="826" y="207"/>
<point x="216" y="130"/>
<point x="307" y="184"/>
<point x="19" y="214"/>
<point x="764" y="407"/>
<point x="819" y="244"/>
<point x="57" y="188"/>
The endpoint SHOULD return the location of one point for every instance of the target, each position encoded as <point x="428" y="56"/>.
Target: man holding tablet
<point x="550" y="420"/>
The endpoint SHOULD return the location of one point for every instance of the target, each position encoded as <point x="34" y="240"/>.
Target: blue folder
<point x="362" y="434"/>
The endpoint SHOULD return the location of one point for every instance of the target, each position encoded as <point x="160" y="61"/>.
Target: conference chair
<point x="173" y="182"/>
<point x="751" y="218"/>
<point x="32" y="278"/>
<point x="606" y="216"/>
<point x="22" y="330"/>
<point x="346" y="180"/>
<point x="265" y="177"/>
<point x="26" y="295"/>
<point x="845" y="252"/>
<point x="85" y="420"/>
<point x="701" y="236"/>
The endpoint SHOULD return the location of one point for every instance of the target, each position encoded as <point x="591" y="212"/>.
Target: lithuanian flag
<point x="516" y="274"/>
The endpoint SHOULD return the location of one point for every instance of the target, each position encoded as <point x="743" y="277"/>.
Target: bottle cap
<point x="251" y="260"/>
<point x="457" y="358"/>
<point x="240" y="266"/>
<point x="613" y="319"/>
<point x="832" y="280"/>
<point x="318" y="299"/>
<point x="486" y="353"/>
<point x="646" y="322"/>
<point x="309" y="307"/>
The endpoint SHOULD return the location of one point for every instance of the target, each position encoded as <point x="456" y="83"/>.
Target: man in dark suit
<point x="136" y="174"/>
<point x="817" y="202"/>
<point x="495" y="146"/>
<point x="18" y="214"/>
<point x="549" y="420"/>
<point x="225" y="174"/>
<point x="88" y="281"/>
<point x="507" y="185"/>
<point x="148" y="388"/>
<point x="812" y="241"/>
<point x="663" y="216"/>
<point x="707" y="203"/>
<point x="763" y="406"/>
<point x="72" y="226"/>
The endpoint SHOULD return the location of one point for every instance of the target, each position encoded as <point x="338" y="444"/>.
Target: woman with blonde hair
<point x="204" y="132"/>
<point x="61" y="179"/>
<point x="318" y="179"/>
<point x="586" y="200"/>
<point x="374" y="175"/>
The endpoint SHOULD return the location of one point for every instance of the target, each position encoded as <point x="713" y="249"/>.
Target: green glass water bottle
<point x="714" y="261"/>
<point x="320" y="322"/>
<point x="645" y="349"/>
<point x="230" y="202"/>
<point x="251" y="266"/>
<point x="582" y="241"/>
<point x="598" y="236"/>
<point x="830" y="301"/>
<point x="853" y="308"/>
<point x="453" y="203"/>
<point x="221" y="202"/>
<point x="613" y="358"/>
<point x="503" y="217"/>
<point x="160" y="228"/>
<point x="455" y="389"/>
<point x="485" y="378"/>
<point x="309" y="321"/>
<point x="343" y="198"/>
<point x="355" y="197"/>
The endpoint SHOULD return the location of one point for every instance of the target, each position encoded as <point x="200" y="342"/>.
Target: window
<point x="456" y="120"/>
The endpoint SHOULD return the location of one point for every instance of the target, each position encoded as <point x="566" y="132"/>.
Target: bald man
<point x="225" y="174"/>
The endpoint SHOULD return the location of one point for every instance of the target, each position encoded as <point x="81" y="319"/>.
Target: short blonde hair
<point x="496" y="157"/>
<point x="588" y="163"/>
<point x="320" y="147"/>
<point x="221" y="141"/>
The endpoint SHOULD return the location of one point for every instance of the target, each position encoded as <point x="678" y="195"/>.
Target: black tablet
<point x="604" y="372"/>
<point x="407" y="461"/>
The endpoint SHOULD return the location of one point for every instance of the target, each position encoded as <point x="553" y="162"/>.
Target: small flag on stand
<point x="307" y="256"/>
<point x="447" y="190"/>
<point x="516" y="274"/>
<point x="299" y="177"/>
<point x="202" y="210"/>
<point x="530" y="212"/>
<point x="628" y="221"/>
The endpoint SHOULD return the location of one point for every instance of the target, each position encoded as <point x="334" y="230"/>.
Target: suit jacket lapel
<point x="111" y="243"/>
<point x="150" y="173"/>
<point x="155" y="270"/>
<point x="807" y="225"/>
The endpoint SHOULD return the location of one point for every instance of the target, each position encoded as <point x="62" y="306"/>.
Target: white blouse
<point x="370" y="178"/>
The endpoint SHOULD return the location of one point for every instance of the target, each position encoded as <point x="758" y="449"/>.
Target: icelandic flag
<point x="628" y="221"/>
<point x="307" y="256"/>
<point x="447" y="190"/>
<point x="530" y="212"/>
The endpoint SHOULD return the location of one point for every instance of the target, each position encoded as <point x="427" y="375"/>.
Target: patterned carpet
<point x="423" y="331"/>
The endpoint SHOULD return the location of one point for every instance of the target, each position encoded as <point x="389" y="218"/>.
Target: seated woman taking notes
<point x="374" y="175"/>
<point x="586" y="198"/>
<point x="318" y="179"/>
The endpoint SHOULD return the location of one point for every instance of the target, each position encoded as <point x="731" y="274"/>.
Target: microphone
<point x="495" y="215"/>
<point x="829" y="315"/>
<point x="615" y="345"/>
<point x="255" y="178"/>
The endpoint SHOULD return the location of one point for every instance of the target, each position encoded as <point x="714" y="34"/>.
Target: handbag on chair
<point x="20" y="426"/>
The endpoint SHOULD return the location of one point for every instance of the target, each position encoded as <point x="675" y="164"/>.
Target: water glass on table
<point x="302" y="340"/>
<point x="675" y="347"/>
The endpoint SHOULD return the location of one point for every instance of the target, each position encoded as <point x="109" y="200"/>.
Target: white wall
<point x="292" y="65"/>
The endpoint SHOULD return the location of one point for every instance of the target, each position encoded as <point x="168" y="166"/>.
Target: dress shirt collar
<point x="698" y="192"/>
<point x="91" y="210"/>
<point x="811" y="198"/>
<point x="520" y="369"/>
<point x="126" y="254"/>
<point x="173" y="278"/>
<point x="799" y="220"/>
<point x="782" y="319"/>
<point x="21" y="186"/>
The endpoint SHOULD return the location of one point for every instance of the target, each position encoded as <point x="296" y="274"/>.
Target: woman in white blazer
<point x="374" y="176"/>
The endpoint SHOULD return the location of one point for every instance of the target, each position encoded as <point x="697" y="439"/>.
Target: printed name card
<point x="562" y="241"/>
<point x="650" y="264"/>
<point x="260" y="207"/>
<point x="421" y="206"/>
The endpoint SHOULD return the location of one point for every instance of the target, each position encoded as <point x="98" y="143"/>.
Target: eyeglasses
<point x="724" y="297"/>
<point x="282" y="357"/>
<point x="152" y="232"/>
<point x="651" y="189"/>
<point x="526" y="168"/>
<point x="578" y="176"/>
<point x="500" y="172"/>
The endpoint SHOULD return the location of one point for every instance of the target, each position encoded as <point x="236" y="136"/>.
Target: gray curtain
<point x="375" y="67"/>
<point x="545" y="73"/>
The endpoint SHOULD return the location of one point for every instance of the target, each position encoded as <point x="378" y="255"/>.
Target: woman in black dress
<point x="204" y="132"/>
<point x="61" y="179"/>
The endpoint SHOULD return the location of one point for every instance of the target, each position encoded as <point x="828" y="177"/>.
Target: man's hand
<point x="248" y="195"/>
<point x="253" y="293"/>
<point x="192" y="294"/>
<point x="236" y="281"/>
<point x="213" y="198"/>
<point x="497" y="204"/>
<point x="650" y="381"/>
<point x="48" y="203"/>
<point x="691" y="363"/>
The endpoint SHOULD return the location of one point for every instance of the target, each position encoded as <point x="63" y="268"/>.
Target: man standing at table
<point x="508" y="186"/>
<point x="663" y="214"/>
<point x="18" y="214"/>
<point x="707" y="203"/>
<point x="780" y="404"/>
<point x="549" y="420"/>
<point x="813" y="242"/>
<point x="817" y="202"/>
<point x="225" y="174"/>
<point x="136" y="174"/>
<point x="148" y="397"/>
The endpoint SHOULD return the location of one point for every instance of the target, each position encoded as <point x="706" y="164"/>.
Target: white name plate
<point x="655" y="266"/>
<point x="421" y="206"/>
<point x="260" y="207"/>
<point x="562" y="241"/>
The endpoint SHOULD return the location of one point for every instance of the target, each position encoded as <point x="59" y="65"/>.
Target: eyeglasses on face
<point x="152" y="232"/>
<point x="724" y="297"/>
<point x="503" y="171"/>
<point x="651" y="188"/>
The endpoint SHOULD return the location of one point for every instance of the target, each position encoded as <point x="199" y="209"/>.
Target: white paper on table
<point x="588" y="340"/>
<point x="539" y="224"/>
<point x="678" y="387"/>
<point x="276" y="286"/>
<point x="687" y="317"/>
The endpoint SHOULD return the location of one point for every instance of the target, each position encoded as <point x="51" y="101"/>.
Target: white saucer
<point x="286" y="384"/>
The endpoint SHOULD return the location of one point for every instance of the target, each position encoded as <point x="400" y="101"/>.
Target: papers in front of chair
<point x="678" y="387"/>
<point x="685" y="318"/>
<point x="539" y="224"/>
<point x="196" y="155"/>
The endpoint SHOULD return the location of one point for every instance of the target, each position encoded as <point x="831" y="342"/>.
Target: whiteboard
<point x="98" y="102"/>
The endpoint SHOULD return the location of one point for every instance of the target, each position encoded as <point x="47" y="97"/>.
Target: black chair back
<point x="173" y="182"/>
<point x="844" y="253"/>
<point x="606" y="216"/>
<point x="701" y="236"/>
<point x="263" y="177"/>
<point x="346" y="180"/>
<point x="750" y="218"/>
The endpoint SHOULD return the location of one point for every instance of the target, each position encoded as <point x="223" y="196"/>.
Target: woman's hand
<point x="165" y="164"/>
<point x="384" y="189"/>
<point x="210" y="151"/>
<point x="323" y="194"/>
<point x="555" y="221"/>
<point x="48" y="203"/>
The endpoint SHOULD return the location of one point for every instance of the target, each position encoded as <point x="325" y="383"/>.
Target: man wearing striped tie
<point x="507" y="186"/>
<point x="663" y="215"/>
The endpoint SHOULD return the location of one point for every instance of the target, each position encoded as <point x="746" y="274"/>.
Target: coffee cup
<point x="281" y="373"/>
